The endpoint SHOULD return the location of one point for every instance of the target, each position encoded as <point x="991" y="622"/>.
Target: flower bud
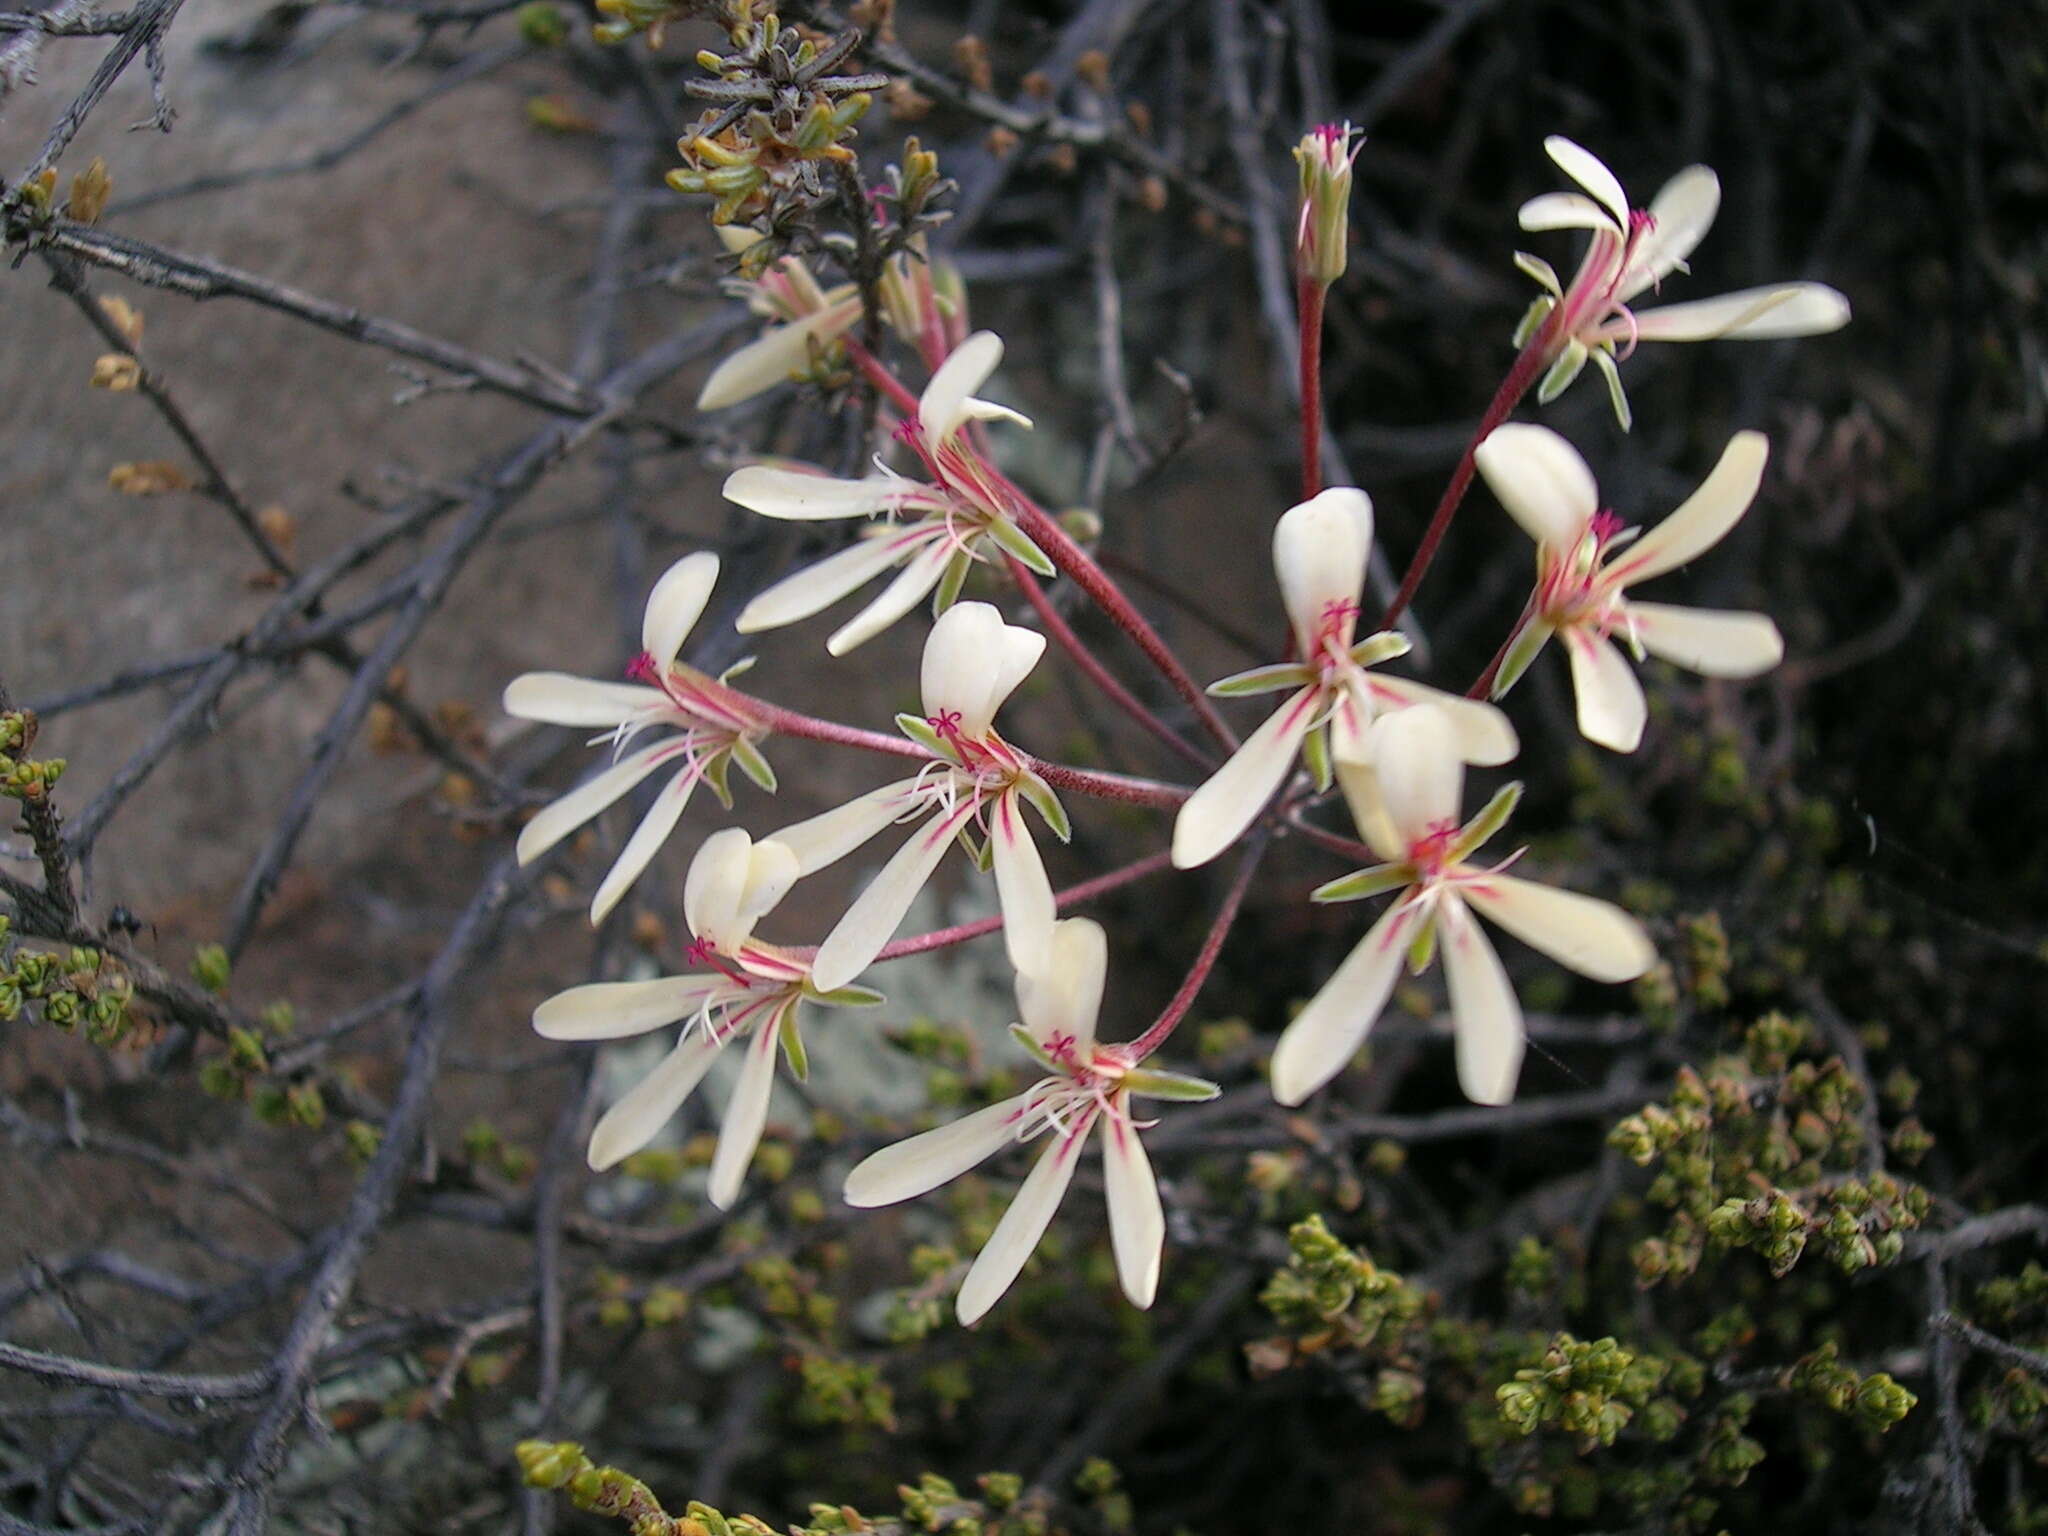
<point x="1322" y="233"/>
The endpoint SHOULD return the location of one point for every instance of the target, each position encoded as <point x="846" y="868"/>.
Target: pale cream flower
<point x="803" y="316"/>
<point x="1586" y="560"/>
<point x="1087" y="1084"/>
<point x="749" y="990"/>
<point x="1319" y="553"/>
<point x="973" y="661"/>
<point x="709" y="732"/>
<point x="1635" y="249"/>
<point x="1410" y="818"/>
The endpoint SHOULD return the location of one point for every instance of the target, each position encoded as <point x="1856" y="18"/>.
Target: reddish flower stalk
<point x="1528" y="368"/>
<point x="1310" y="304"/>
<point x="1073" y="895"/>
<point x="1205" y="962"/>
<point x="1107" y="786"/>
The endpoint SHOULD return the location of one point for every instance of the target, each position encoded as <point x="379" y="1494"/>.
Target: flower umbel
<point x="709" y="731"/>
<point x="1635" y="249"/>
<point x="1086" y="1084"/>
<point x="1586" y="561"/>
<point x="1411" y="820"/>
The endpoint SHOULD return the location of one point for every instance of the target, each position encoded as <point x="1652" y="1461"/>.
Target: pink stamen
<point x="643" y="669"/>
<point x="703" y="952"/>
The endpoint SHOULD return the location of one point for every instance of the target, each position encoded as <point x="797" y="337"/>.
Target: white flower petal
<point x="1541" y="481"/>
<point x="779" y="352"/>
<point x="558" y="698"/>
<point x="1612" y="710"/>
<point x="830" y="836"/>
<point x="745" y="1114"/>
<point x="1137" y="1223"/>
<point x="1484" y="733"/>
<point x="646" y="840"/>
<point x="1590" y="172"/>
<point x="675" y="605"/>
<point x="973" y="661"/>
<point x="1703" y="518"/>
<point x="559" y="818"/>
<point x="1593" y="937"/>
<point x="943" y="405"/>
<point x="796" y="496"/>
<point x="1361" y="787"/>
<point x="1023" y="1224"/>
<point x="988" y="410"/>
<point x="1213" y="817"/>
<point x="1022" y="889"/>
<point x="817" y="587"/>
<point x="898" y="598"/>
<point x="629" y="1124"/>
<point x="1564" y="210"/>
<point x="1753" y="314"/>
<point x="1680" y="216"/>
<point x="922" y="1163"/>
<point x="876" y="913"/>
<point x="1483" y="1005"/>
<point x="612" y="1010"/>
<point x="1710" y="641"/>
<point x="1328" y="1032"/>
<point x="1420" y="776"/>
<point x="1319" y="553"/>
<point x="1065" y="995"/>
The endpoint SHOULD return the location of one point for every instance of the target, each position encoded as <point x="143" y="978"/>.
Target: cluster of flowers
<point x="1395" y="749"/>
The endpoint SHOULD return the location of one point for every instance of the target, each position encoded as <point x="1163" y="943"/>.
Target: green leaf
<point x="982" y="852"/>
<point x="951" y="581"/>
<point x="1315" y="755"/>
<point x="1475" y="833"/>
<point x="717" y="773"/>
<point x="1286" y="674"/>
<point x="1611" y="371"/>
<point x="1533" y="316"/>
<point x="1149" y="1083"/>
<point x="1042" y="800"/>
<point x="1542" y="271"/>
<point x="1039" y="1053"/>
<point x="919" y="730"/>
<point x="739" y="668"/>
<point x="793" y="1046"/>
<point x="1562" y="372"/>
<point x="846" y="997"/>
<point x="1528" y="645"/>
<point x="1383" y="646"/>
<point x="753" y="764"/>
<point x="1422" y="948"/>
<point x="1365" y="882"/>
<point x="1010" y="539"/>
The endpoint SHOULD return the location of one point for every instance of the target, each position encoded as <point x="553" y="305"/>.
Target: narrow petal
<point x="973" y="661"/>
<point x="1023" y="1224"/>
<point x="1680" y="216"/>
<point x="646" y="840"/>
<point x="795" y="496"/>
<point x="1484" y="734"/>
<point x="1328" y="1032"/>
<point x="745" y="1114"/>
<point x="558" y="819"/>
<point x="1593" y="937"/>
<point x="944" y="403"/>
<point x="921" y="1164"/>
<point x="877" y="912"/>
<point x="1361" y="787"/>
<point x="675" y="605"/>
<point x="1483" y="1006"/>
<point x="1137" y="1223"/>
<point x="629" y="1124"/>
<point x="817" y="587"/>
<point x="1022" y="889"/>
<point x="1541" y="481"/>
<point x="1753" y="314"/>
<point x="1319" y="554"/>
<point x="830" y="836"/>
<point x="1612" y="709"/>
<point x="898" y="598"/>
<point x="611" y="1010"/>
<point x="717" y="876"/>
<point x="1216" y="814"/>
<point x="1564" y="210"/>
<point x="773" y="357"/>
<point x="558" y="698"/>
<point x="1710" y="641"/>
<point x="1420" y="775"/>
<point x="1703" y="519"/>
<point x="1065" y="995"/>
<point x="1590" y="172"/>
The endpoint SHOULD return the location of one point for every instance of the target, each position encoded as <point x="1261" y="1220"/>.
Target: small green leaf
<point x="1422" y="948"/>
<point x="1315" y="755"/>
<point x="1029" y="1042"/>
<point x="1542" y="271"/>
<point x="793" y="1046"/>
<point x="1149" y="1083"/>
<point x="846" y="997"/>
<point x="1042" y="800"/>
<point x="1562" y="372"/>
<point x="753" y="764"/>
<point x="717" y="774"/>
<point x="1476" y="832"/>
<point x="1365" y="882"/>
<point x="919" y="730"/>
<point x="1533" y="316"/>
<point x="1286" y="674"/>
<point x="1611" y="371"/>
<point x="1383" y="646"/>
<point x="739" y="668"/>
<point x="1010" y="539"/>
<point x="951" y="581"/>
<point x="1528" y="645"/>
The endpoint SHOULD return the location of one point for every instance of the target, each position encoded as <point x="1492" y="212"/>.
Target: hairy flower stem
<point x="1107" y="786"/>
<point x="1073" y="895"/>
<point x="1310" y="306"/>
<point x="1528" y="367"/>
<point x="1212" y="946"/>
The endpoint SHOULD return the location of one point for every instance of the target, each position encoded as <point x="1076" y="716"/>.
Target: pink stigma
<point x="946" y="723"/>
<point x="642" y="669"/>
<point x="1605" y="526"/>
<point x="1640" y="222"/>
<point x="907" y="431"/>
<point x="699" y="952"/>
<point x="1061" y="1048"/>
<point x="1429" y="851"/>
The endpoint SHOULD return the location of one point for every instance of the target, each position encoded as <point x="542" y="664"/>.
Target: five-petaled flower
<point x="935" y="529"/>
<point x="747" y="989"/>
<point x="712" y="730"/>
<point x="1319" y="553"/>
<point x="972" y="663"/>
<point x="1586" y="560"/>
<point x="1635" y="249"/>
<point x="1411" y="820"/>
<point x="1086" y="1084"/>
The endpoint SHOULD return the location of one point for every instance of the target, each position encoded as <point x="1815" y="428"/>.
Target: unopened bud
<point x="1323" y="231"/>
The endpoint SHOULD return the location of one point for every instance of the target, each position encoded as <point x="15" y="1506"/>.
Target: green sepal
<point x="717" y="774"/>
<point x="1011" y="540"/>
<point x="951" y="580"/>
<point x="1562" y="372"/>
<point x="1422" y="949"/>
<point x="793" y="1047"/>
<point x="1533" y="317"/>
<point x="1149" y="1083"/>
<point x="1527" y="646"/>
<point x="1475" y="834"/>
<point x="753" y="764"/>
<point x="846" y="997"/>
<point x="1042" y="800"/>
<point x="919" y="730"/>
<point x="983" y="852"/>
<point x="739" y="668"/>
<point x="1543" y="272"/>
<point x="1611" y="371"/>
<point x="1315" y="756"/>
<point x="1286" y="674"/>
<point x="1362" y="883"/>
<point x="1383" y="646"/>
<point x="1038" y="1052"/>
